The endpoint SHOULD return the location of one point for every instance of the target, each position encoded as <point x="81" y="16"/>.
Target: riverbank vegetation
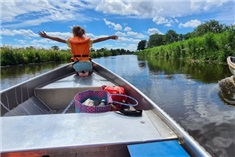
<point x="16" y="56"/>
<point x="210" y="41"/>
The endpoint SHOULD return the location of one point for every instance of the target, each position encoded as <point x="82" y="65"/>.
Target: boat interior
<point x="46" y="114"/>
<point x="53" y="98"/>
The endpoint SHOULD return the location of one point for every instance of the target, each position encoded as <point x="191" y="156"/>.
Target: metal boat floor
<point x="39" y="132"/>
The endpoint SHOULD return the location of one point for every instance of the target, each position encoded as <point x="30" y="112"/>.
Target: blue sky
<point x="131" y="20"/>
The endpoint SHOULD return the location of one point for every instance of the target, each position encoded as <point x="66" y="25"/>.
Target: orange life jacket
<point x="80" y="47"/>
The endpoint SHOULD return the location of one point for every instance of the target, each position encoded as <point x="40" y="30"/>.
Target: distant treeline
<point x="15" y="56"/>
<point x="209" y="41"/>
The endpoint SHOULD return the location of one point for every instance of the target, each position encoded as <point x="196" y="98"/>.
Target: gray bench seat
<point x="57" y="95"/>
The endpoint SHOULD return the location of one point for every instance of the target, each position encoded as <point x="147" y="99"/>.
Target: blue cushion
<point x="160" y="149"/>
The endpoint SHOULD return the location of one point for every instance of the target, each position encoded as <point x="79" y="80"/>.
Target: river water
<point x="188" y="92"/>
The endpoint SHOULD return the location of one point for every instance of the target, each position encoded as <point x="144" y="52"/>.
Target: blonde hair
<point x="78" y="31"/>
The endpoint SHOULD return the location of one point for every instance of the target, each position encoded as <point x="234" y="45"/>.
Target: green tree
<point x="92" y="50"/>
<point x="181" y="37"/>
<point x="171" y="36"/>
<point x="122" y="51"/>
<point x="142" y="45"/>
<point x="188" y="35"/>
<point x="156" y="40"/>
<point x="55" y="48"/>
<point x="212" y="26"/>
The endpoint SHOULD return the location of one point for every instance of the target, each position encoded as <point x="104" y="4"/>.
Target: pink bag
<point x="80" y="98"/>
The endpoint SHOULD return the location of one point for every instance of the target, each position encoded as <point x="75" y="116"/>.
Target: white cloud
<point x="202" y="5"/>
<point x="152" y="31"/>
<point x="135" y="34"/>
<point x="130" y="33"/>
<point x="145" y="8"/>
<point x="43" y="41"/>
<point x="21" y="41"/>
<point x="14" y="8"/>
<point x="150" y="8"/>
<point x="162" y="20"/>
<point x="191" y="23"/>
<point x="120" y="34"/>
<point x="90" y="35"/>
<point x="132" y="40"/>
<point x="161" y="12"/>
<point x="19" y="13"/>
<point x="113" y="25"/>
<point x="23" y="32"/>
<point x="63" y="35"/>
<point x="131" y="47"/>
<point x="127" y="29"/>
<point x="120" y="7"/>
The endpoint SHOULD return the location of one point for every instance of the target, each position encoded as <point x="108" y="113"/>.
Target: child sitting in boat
<point x="80" y="48"/>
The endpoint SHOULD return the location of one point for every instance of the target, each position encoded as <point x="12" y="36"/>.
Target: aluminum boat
<point x="37" y="119"/>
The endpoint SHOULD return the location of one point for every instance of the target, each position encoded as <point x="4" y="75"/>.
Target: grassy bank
<point x="13" y="56"/>
<point x="209" y="47"/>
<point x="16" y="56"/>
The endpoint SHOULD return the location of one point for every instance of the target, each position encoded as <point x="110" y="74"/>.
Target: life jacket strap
<point x="75" y="58"/>
<point x="80" y="56"/>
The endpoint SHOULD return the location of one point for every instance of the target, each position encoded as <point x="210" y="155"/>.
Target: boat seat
<point x="32" y="106"/>
<point x="57" y="95"/>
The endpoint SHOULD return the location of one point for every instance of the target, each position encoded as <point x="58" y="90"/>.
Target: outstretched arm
<point x="114" y="37"/>
<point x="44" y="35"/>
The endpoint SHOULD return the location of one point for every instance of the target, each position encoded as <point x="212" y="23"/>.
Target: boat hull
<point x="231" y="64"/>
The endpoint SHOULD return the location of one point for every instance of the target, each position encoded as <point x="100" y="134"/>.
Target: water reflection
<point x="16" y="74"/>
<point x="203" y="72"/>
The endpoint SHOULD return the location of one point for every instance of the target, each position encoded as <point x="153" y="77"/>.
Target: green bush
<point x="7" y="56"/>
<point x="209" y="47"/>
